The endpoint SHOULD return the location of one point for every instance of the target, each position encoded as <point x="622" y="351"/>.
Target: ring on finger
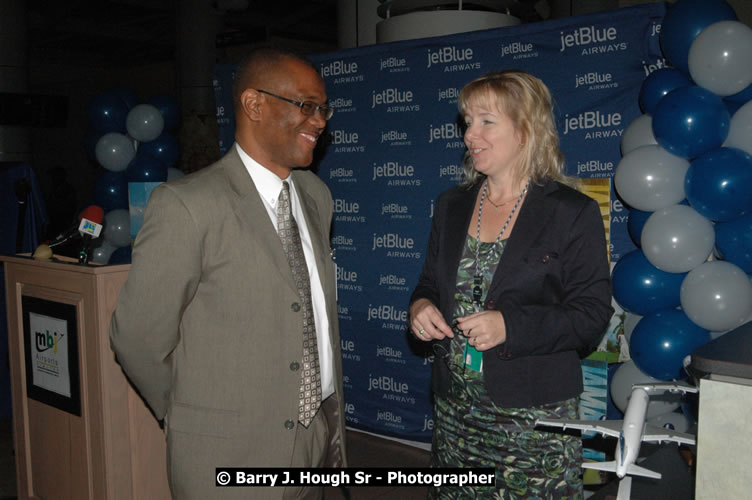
<point x="421" y="331"/>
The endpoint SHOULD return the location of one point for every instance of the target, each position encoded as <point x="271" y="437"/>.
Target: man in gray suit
<point x="210" y="324"/>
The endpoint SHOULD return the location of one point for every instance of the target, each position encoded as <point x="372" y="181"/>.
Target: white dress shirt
<point x="269" y="186"/>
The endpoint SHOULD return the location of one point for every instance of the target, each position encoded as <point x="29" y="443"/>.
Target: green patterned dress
<point x="472" y="431"/>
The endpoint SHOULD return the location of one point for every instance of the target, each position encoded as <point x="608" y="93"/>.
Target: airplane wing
<point x="606" y="427"/>
<point x="654" y="433"/>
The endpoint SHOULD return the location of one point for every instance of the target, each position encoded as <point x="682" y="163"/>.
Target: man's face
<point x="287" y="135"/>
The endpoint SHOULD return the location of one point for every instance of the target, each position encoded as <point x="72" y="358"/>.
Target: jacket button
<point x="295" y="307"/>
<point x="289" y="424"/>
<point x="294" y="366"/>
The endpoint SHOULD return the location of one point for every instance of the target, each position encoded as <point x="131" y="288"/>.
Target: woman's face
<point x="491" y="138"/>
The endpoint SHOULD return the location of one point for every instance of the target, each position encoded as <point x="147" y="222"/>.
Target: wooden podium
<point x="80" y="429"/>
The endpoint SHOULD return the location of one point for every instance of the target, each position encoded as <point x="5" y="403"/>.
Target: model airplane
<point x="631" y="432"/>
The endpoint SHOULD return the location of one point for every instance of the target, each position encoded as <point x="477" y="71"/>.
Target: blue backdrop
<point x="396" y="143"/>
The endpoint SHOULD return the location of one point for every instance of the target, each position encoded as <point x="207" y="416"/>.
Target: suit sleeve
<point x="579" y="318"/>
<point x="162" y="280"/>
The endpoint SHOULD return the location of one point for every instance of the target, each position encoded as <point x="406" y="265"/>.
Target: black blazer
<point x="552" y="286"/>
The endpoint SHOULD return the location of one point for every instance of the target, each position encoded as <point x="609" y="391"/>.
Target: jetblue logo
<point x="385" y="383"/>
<point x="454" y="59"/>
<point x="427" y="424"/>
<point x="347" y="280"/>
<point x="595" y="81"/>
<point x="390" y="354"/>
<point x="346" y="142"/>
<point x="393" y="282"/>
<point x="395" y="211"/>
<point x="342" y="105"/>
<point x="589" y="121"/>
<point x="342" y="71"/>
<point x="592" y="40"/>
<point x="395" y="138"/>
<point x="347" y="211"/>
<point x="386" y="313"/>
<point x="450" y="94"/>
<point x="388" y="417"/>
<point x="391" y="240"/>
<point x="454" y="171"/>
<point x="342" y="174"/>
<point x="518" y="50"/>
<point x="445" y="131"/>
<point x="349" y="407"/>
<point x="348" y="350"/>
<point x="396" y="100"/>
<point x="659" y="63"/>
<point x="396" y="173"/>
<point x="394" y="65"/>
<point x="595" y="168"/>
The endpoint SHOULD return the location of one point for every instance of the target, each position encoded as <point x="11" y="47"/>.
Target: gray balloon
<point x="740" y="129"/>
<point x="144" y="122"/>
<point x="649" y="178"/>
<point x="117" y="227"/>
<point x="638" y="133"/>
<point x="717" y="295"/>
<point x="102" y="253"/>
<point x="114" y="151"/>
<point x="629" y="374"/>
<point x="677" y="239"/>
<point x="720" y="58"/>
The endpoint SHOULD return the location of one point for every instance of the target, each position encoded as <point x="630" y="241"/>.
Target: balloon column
<point x="133" y="143"/>
<point x="686" y="174"/>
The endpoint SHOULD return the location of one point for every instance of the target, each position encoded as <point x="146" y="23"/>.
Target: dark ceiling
<point x="134" y="32"/>
<point x="96" y="32"/>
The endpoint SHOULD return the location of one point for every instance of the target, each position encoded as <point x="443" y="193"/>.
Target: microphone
<point x="92" y="213"/>
<point x="89" y="230"/>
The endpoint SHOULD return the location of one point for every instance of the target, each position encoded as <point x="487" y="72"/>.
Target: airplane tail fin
<point x="636" y="470"/>
<point x="625" y="488"/>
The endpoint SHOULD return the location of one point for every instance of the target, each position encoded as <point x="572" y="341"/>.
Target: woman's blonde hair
<point x="527" y="102"/>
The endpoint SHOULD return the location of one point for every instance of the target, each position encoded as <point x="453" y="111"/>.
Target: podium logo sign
<point x="50" y="363"/>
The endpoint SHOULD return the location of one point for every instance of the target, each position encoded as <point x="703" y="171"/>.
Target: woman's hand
<point x="484" y="330"/>
<point x="427" y="323"/>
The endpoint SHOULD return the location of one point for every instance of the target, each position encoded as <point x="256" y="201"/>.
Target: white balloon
<point x="720" y="58"/>
<point x="649" y="178"/>
<point x="629" y="374"/>
<point x="630" y="321"/>
<point x="717" y="295"/>
<point x="674" y="421"/>
<point x="117" y="227"/>
<point x="114" y="151"/>
<point x="740" y="130"/>
<point x="144" y="122"/>
<point x="677" y="239"/>
<point x="102" y="253"/>
<point x="638" y="133"/>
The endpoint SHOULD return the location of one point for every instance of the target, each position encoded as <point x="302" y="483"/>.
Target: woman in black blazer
<point x="515" y="289"/>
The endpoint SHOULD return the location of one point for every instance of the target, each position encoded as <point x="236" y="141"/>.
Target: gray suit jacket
<point x="207" y="327"/>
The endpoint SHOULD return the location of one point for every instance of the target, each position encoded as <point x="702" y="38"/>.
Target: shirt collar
<point x="268" y="184"/>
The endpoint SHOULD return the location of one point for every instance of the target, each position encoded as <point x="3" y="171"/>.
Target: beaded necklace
<point x="478" y="278"/>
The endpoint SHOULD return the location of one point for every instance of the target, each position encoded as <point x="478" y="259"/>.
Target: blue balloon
<point x="168" y="106"/>
<point x="718" y="184"/>
<point x="146" y="168"/>
<point x="107" y="113"/>
<point x="662" y="340"/>
<point x="635" y="222"/>
<point x="121" y="256"/>
<point x="641" y="288"/>
<point x="111" y="190"/>
<point x="164" y="148"/>
<point x="733" y="242"/>
<point x="684" y="21"/>
<point x="659" y="83"/>
<point x="127" y="95"/>
<point x="741" y="97"/>
<point x="689" y="121"/>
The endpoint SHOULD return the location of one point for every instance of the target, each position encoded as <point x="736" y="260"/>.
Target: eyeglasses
<point x="308" y="108"/>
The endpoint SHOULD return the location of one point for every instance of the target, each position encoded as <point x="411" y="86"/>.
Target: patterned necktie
<point x="310" y="382"/>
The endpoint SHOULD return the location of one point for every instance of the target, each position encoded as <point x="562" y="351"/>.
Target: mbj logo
<point x="346" y="142"/>
<point x="595" y="81"/>
<point x="46" y="341"/>
<point x="395" y="100"/>
<point x="590" y="120"/>
<point x="445" y="131"/>
<point x="397" y="174"/>
<point x="449" y="56"/>
<point x="590" y="35"/>
<point x="519" y="50"/>
<point x="595" y="168"/>
<point x="344" y="72"/>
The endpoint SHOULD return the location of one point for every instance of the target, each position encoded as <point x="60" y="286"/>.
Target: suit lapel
<point x="317" y="233"/>
<point x="253" y="216"/>
<point x="534" y="216"/>
<point x="458" y="216"/>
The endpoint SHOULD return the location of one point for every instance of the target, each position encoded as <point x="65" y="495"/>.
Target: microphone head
<point x="93" y="213"/>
